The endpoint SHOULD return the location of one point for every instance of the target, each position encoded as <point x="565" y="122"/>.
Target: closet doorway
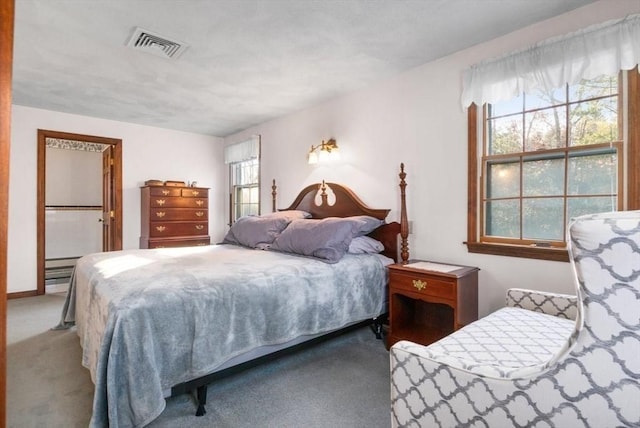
<point x="72" y="169"/>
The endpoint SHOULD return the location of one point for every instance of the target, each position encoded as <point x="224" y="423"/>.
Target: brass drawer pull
<point x="195" y="192"/>
<point x="199" y="203"/>
<point x="166" y="192"/>
<point x="199" y="226"/>
<point x="160" y="228"/>
<point x="160" y="202"/>
<point x="160" y="214"/>
<point x="199" y="213"/>
<point x="420" y="285"/>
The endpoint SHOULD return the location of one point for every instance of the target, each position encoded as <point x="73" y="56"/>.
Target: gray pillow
<point x="365" y="245"/>
<point x="255" y="231"/>
<point x="327" y="239"/>
<point x="288" y="214"/>
<point x="368" y="225"/>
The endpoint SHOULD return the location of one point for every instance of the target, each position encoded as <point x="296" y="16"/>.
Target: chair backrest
<point x="605" y="255"/>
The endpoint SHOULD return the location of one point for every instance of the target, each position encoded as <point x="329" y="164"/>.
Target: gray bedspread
<point x="151" y="319"/>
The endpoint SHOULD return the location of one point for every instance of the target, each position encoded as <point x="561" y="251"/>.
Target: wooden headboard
<point x="324" y="200"/>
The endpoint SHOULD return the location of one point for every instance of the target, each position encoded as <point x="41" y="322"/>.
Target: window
<point x="245" y="188"/>
<point x="243" y="159"/>
<point x="547" y="157"/>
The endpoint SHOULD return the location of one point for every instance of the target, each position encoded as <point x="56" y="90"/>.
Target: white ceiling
<point x="248" y="61"/>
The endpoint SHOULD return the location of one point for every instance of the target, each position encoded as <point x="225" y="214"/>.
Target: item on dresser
<point x="154" y="183"/>
<point x="175" y="183"/>
<point x="174" y="216"/>
<point x="429" y="300"/>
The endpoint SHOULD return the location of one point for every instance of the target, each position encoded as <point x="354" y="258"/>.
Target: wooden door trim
<point x="43" y="134"/>
<point x="7" y="10"/>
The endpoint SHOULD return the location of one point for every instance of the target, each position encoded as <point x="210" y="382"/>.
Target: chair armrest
<point x="560" y="305"/>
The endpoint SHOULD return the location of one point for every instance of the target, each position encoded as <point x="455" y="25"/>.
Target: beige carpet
<point x="341" y="383"/>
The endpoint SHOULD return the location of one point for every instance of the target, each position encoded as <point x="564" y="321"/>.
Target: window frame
<point x="235" y="188"/>
<point x="630" y="171"/>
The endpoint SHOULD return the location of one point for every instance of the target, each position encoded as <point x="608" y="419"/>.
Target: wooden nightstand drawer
<point x="423" y="285"/>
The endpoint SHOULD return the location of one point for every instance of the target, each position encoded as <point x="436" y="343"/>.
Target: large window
<point x="545" y="157"/>
<point x="549" y="157"/>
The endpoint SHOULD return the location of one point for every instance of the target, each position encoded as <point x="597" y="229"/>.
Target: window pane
<point x="505" y="135"/>
<point x="543" y="219"/>
<point x="594" y="122"/>
<point x="540" y="99"/>
<point x="593" y="174"/>
<point x="504" y="108"/>
<point x="503" y="180"/>
<point x="599" y="204"/>
<point x="543" y="177"/>
<point x="598" y="87"/>
<point x="545" y="129"/>
<point x="503" y="219"/>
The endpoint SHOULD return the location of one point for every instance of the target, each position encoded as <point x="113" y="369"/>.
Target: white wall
<point x="148" y="153"/>
<point x="416" y="118"/>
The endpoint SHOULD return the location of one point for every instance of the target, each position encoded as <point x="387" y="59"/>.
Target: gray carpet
<point x="343" y="382"/>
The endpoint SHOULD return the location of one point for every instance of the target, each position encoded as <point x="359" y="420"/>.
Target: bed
<point x="155" y="323"/>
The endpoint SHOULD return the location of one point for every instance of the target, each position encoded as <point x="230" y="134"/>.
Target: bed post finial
<point x="404" y="222"/>
<point x="273" y="196"/>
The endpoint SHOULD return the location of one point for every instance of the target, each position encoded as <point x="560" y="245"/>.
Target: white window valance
<point x="602" y="49"/>
<point x="243" y="151"/>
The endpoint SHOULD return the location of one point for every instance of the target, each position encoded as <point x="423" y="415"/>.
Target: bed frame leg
<point x="201" y="395"/>
<point x="376" y="326"/>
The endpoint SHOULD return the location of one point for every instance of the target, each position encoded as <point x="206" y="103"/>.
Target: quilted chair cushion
<point x="592" y="380"/>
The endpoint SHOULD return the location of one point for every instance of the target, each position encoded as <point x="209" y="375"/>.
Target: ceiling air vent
<point x="156" y="44"/>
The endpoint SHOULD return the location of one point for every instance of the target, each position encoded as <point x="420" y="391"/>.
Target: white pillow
<point x="365" y="245"/>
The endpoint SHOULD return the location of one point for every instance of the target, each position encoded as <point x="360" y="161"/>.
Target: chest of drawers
<point x="174" y="216"/>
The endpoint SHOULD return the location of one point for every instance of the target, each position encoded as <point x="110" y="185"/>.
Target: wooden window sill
<point x="552" y="254"/>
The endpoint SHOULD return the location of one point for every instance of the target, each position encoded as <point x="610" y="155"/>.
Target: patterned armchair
<point x="530" y="364"/>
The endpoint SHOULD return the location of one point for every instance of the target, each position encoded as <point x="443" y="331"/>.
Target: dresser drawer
<point x="194" y="192"/>
<point x="423" y="285"/>
<point x="183" y="242"/>
<point x="164" y="191"/>
<point x="171" y="214"/>
<point x="171" y="202"/>
<point x="178" y="228"/>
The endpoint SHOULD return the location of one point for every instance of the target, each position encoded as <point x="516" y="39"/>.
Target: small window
<point x="245" y="188"/>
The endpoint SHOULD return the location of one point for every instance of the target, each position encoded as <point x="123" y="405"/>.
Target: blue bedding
<point x="151" y="319"/>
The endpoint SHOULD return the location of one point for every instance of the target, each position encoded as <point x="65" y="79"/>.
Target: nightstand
<point x="430" y="300"/>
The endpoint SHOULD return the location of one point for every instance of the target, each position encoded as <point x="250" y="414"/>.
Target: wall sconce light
<point x="324" y="152"/>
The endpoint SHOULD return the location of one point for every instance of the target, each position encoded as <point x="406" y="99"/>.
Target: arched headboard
<point x="324" y="200"/>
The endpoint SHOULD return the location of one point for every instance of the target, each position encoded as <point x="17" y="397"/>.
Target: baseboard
<point x="21" y="294"/>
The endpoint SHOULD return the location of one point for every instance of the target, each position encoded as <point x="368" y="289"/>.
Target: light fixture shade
<point x="313" y="158"/>
<point x="324" y="152"/>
